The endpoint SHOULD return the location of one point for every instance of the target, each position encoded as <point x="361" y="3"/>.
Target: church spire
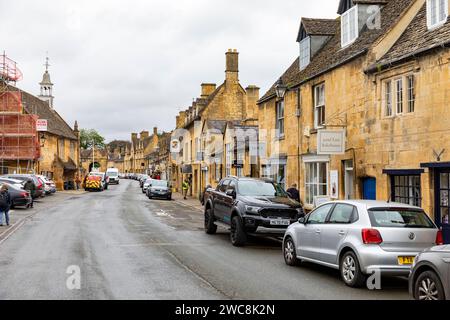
<point x="46" y="85"/>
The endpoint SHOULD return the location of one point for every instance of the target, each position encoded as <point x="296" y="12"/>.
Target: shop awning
<point x="435" y="165"/>
<point x="403" y="172"/>
<point x="69" y="165"/>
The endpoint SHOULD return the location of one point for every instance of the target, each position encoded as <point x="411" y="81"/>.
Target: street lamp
<point x="280" y="89"/>
<point x="42" y="138"/>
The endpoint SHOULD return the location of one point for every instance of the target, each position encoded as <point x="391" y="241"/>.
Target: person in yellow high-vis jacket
<point x="185" y="188"/>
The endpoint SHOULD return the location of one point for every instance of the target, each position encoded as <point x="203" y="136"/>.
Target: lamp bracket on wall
<point x="438" y="155"/>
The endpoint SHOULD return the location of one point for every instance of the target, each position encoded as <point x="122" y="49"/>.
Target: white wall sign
<point x="175" y="146"/>
<point x="334" y="184"/>
<point x="41" y="125"/>
<point x="331" y="142"/>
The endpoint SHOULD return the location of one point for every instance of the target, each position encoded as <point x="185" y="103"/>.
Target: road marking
<point x="10" y="232"/>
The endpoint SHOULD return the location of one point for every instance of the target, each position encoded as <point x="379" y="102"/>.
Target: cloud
<point x="126" y="66"/>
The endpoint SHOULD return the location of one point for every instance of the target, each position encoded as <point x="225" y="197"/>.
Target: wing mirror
<point x="302" y="220"/>
<point x="231" y="193"/>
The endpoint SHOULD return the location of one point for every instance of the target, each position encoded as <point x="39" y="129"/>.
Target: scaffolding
<point x="19" y="140"/>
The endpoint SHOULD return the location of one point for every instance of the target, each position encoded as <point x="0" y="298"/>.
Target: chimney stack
<point x="232" y="65"/>
<point x="207" y="89"/>
<point x="251" y="111"/>
<point x="134" y="136"/>
<point x="144" y="134"/>
<point x="155" y="131"/>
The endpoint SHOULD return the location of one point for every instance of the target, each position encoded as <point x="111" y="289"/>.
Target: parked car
<point x="147" y="183"/>
<point x="246" y="205"/>
<point x="15" y="182"/>
<point x="430" y="275"/>
<point x="159" y="189"/>
<point x="19" y="197"/>
<point x="24" y="177"/>
<point x="142" y="179"/>
<point x="360" y="237"/>
<point x="49" y="186"/>
<point x="113" y="175"/>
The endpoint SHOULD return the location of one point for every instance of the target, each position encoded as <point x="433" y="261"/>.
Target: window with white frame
<point x="280" y="118"/>
<point x="240" y="163"/>
<point x="316" y="181"/>
<point x="229" y="159"/>
<point x="388" y="98"/>
<point x="198" y="149"/>
<point x="437" y="13"/>
<point x="305" y="52"/>
<point x="319" y="106"/>
<point x="411" y="93"/>
<point x="349" y="26"/>
<point x="399" y="95"/>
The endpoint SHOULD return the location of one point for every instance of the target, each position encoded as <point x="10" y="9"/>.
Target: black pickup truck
<point x="246" y="205"/>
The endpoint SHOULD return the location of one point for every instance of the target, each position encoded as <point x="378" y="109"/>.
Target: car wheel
<point x="210" y="227"/>
<point x="238" y="236"/>
<point x="351" y="271"/>
<point x="428" y="287"/>
<point x="289" y="252"/>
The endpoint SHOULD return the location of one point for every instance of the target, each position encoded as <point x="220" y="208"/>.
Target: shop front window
<point x="444" y="197"/>
<point x="407" y="189"/>
<point x="281" y="176"/>
<point x="316" y="181"/>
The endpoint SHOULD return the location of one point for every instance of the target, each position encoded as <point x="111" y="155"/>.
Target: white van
<point x="113" y="175"/>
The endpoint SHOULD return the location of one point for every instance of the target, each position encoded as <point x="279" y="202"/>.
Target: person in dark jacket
<point x="293" y="193"/>
<point x="31" y="188"/>
<point x="5" y="204"/>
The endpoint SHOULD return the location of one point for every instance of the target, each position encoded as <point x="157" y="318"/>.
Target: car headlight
<point x="252" y="209"/>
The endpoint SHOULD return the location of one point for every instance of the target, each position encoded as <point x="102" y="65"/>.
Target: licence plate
<point x="280" y="222"/>
<point x="405" y="261"/>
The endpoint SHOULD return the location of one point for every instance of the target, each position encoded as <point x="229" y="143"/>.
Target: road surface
<point x="129" y="247"/>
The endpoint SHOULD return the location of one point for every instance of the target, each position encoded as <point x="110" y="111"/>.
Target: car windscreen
<point x="260" y="189"/>
<point x="159" y="183"/>
<point x="400" y="218"/>
<point x="112" y="174"/>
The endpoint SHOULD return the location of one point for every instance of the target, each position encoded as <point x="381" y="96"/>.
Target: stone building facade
<point x="386" y="88"/>
<point x="227" y="102"/>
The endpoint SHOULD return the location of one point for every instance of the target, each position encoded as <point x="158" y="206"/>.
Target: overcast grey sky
<point x="125" y="66"/>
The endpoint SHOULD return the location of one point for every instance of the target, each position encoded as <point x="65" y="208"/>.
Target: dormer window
<point x="349" y="26"/>
<point x="437" y="13"/>
<point x="305" y="52"/>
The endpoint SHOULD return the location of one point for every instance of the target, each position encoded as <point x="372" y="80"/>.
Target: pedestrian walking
<point x="293" y="193"/>
<point x="5" y="204"/>
<point x="78" y="181"/>
<point x="31" y="188"/>
<point x="186" y="187"/>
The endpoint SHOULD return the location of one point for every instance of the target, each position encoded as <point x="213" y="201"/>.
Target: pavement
<point x="192" y="202"/>
<point x="126" y="246"/>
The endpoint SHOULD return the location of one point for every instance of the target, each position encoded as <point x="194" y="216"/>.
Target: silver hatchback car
<point x="361" y="237"/>
<point x="430" y="276"/>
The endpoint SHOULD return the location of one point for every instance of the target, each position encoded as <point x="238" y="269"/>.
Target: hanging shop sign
<point x="175" y="146"/>
<point x="331" y="142"/>
<point x="42" y="125"/>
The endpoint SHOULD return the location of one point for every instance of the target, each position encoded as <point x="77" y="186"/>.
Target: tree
<point x="89" y="137"/>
